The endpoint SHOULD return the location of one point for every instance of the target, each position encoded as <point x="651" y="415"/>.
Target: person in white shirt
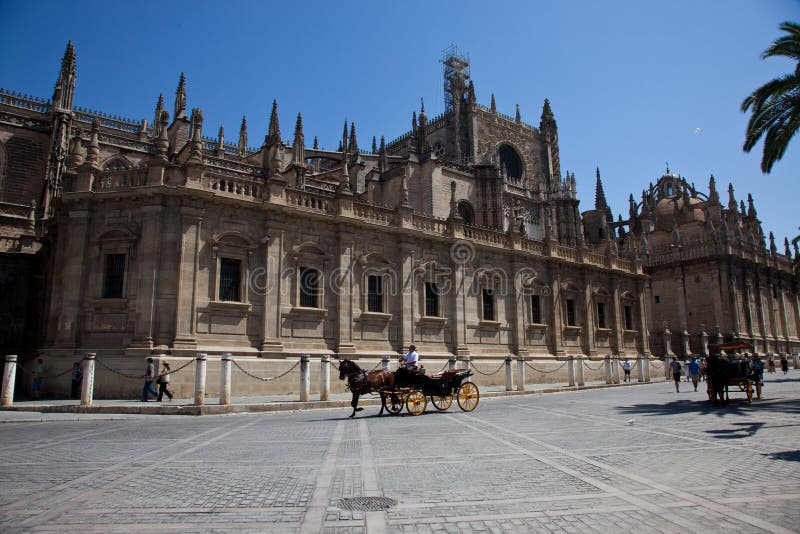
<point x="408" y="364"/>
<point x="626" y="366"/>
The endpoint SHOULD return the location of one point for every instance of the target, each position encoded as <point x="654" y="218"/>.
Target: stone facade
<point x="713" y="278"/>
<point x="461" y="236"/>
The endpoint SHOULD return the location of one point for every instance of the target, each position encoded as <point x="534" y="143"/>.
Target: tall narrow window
<point x="114" y="276"/>
<point x="488" y="304"/>
<point x="431" y="299"/>
<point x="309" y="288"/>
<point x="536" y="309"/>
<point x="230" y="278"/>
<point x="570" y="312"/>
<point x="374" y="293"/>
<point x="628" y="318"/>
<point x="601" y="315"/>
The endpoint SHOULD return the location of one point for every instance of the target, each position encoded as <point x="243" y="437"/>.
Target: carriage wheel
<point x="468" y="396"/>
<point x="393" y="403"/>
<point x="758" y="388"/>
<point x="442" y="402"/>
<point x="749" y="389"/>
<point x="416" y="402"/>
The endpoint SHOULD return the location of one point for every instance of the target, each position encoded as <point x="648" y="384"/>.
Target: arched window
<point x="510" y="161"/>
<point x="466" y="212"/>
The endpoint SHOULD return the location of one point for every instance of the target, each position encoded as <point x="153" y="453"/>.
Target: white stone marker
<point x="325" y="378"/>
<point x="225" y="379"/>
<point x="87" y="380"/>
<point x="9" y="379"/>
<point x="200" y="379"/>
<point x="305" y="378"/>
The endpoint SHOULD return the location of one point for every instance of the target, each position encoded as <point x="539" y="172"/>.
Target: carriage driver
<point x="411" y="359"/>
<point x="408" y="365"/>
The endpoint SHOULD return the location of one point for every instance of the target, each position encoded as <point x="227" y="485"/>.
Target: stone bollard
<point x="646" y="364"/>
<point x="200" y="379"/>
<point x="451" y="362"/>
<point x="386" y="363"/>
<point x="325" y="378"/>
<point x="225" y="379"/>
<point x="509" y="374"/>
<point x="608" y="369"/>
<point x="520" y="373"/>
<point x="571" y="369"/>
<point x="615" y="369"/>
<point x="87" y="379"/>
<point x="579" y="369"/>
<point x="640" y="368"/>
<point x="9" y="379"/>
<point x="305" y="378"/>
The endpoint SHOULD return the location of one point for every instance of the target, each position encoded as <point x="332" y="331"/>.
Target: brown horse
<point x="361" y="382"/>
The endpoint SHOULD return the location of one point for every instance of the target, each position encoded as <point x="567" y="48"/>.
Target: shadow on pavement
<point x="737" y="406"/>
<point x="789" y="456"/>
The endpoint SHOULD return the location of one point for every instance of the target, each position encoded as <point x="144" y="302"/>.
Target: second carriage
<point x="442" y="388"/>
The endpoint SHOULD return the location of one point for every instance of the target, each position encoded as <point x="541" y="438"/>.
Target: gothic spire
<point x="298" y="146"/>
<point x="221" y="141"/>
<point x="414" y="122"/>
<point x="731" y="198"/>
<point x="547" y="113"/>
<point x="65" y="84"/>
<point x="772" y="248"/>
<point x="713" y="196"/>
<point x="352" y="143"/>
<point x="93" y="153"/>
<point x="180" y="98"/>
<point x="157" y="116"/>
<point x="751" y="210"/>
<point x="316" y="143"/>
<point x="242" y="146"/>
<point x="343" y="145"/>
<point x="493" y="107"/>
<point x="374" y="145"/>
<point x="344" y="184"/>
<point x="274" y="131"/>
<point x="518" y="117"/>
<point x="786" y="250"/>
<point x="600" y="203"/>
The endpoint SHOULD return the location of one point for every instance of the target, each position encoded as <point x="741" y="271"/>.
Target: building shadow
<point x="737" y="406"/>
<point x="789" y="456"/>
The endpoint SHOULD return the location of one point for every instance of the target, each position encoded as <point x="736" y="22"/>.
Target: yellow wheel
<point x="468" y="396"/>
<point x="758" y="388"/>
<point x="416" y="402"/>
<point x="393" y="403"/>
<point x="749" y="389"/>
<point x="443" y="402"/>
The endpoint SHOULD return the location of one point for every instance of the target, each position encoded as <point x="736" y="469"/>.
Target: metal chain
<point x="132" y="377"/>
<point x="184" y="366"/>
<point x="334" y="365"/>
<point x="592" y="368"/>
<point x="444" y="366"/>
<point x="653" y="363"/>
<point x="24" y="370"/>
<point x="68" y="371"/>
<point x="488" y="374"/>
<point x="545" y="372"/>
<point x="268" y="378"/>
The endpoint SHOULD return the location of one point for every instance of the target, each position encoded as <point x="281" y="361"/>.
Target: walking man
<point x="694" y="371"/>
<point x="149" y="376"/>
<point x="675" y="367"/>
<point x="38" y="378"/>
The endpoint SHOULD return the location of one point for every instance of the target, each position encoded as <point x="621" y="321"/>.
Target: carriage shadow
<point x="788" y="456"/>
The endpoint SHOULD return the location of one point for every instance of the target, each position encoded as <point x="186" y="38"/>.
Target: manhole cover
<point x="367" y="504"/>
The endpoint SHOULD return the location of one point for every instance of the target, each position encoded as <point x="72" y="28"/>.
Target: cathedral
<point x="461" y="236"/>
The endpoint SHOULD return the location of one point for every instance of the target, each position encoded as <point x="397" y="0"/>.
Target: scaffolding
<point x="456" y="75"/>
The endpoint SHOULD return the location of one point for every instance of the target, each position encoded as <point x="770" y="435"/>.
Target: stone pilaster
<point x="619" y="324"/>
<point x="69" y="316"/>
<point x="408" y="289"/>
<point x="272" y="288"/>
<point x="344" y="292"/>
<point x="588" y="320"/>
<point x="186" y="304"/>
<point x="148" y="256"/>
<point x="555" y="313"/>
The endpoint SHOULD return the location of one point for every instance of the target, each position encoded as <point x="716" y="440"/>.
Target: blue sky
<point x="630" y="82"/>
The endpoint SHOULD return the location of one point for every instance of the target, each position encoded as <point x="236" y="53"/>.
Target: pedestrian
<point x="77" y="374"/>
<point x="675" y="367"/>
<point x="38" y="378"/>
<point x="770" y="365"/>
<point x="163" y="382"/>
<point x="688" y="376"/>
<point x="694" y="371"/>
<point x="703" y="368"/>
<point x="149" y="376"/>
<point x="626" y="366"/>
<point x="784" y="364"/>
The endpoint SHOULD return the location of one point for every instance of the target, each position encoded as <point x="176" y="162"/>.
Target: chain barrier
<point x="653" y="364"/>
<point x="488" y="374"/>
<point x="24" y="370"/>
<point x="132" y="377"/>
<point x="182" y="367"/>
<point x="545" y="372"/>
<point x="268" y="378"/>
<point x="443" y="367"/>
<point x="586" y="364"/>
<point x="333" y="363"/>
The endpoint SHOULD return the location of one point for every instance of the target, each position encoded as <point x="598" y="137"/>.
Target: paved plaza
<point x="625" y="459"/>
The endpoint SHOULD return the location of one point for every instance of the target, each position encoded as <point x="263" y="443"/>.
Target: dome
<point x="665" y="209"/>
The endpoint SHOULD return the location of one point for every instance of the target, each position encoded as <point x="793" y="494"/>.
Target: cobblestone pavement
<point x="640" y="458"/>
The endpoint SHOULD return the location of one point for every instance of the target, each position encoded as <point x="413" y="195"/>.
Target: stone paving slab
<point x="629" y="459"/>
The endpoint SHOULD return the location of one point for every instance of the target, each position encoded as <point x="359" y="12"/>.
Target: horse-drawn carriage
<point x="732" y="372"/>
<point x="440" y="388"/>
<point x="411" y="391"/>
